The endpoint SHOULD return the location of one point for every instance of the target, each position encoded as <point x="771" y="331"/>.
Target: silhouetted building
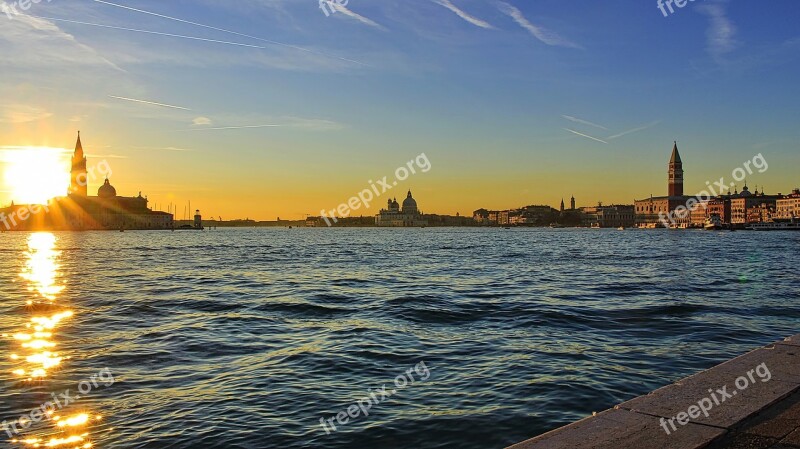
<point x="394" y="216"/>
<point x="79" y="211"/>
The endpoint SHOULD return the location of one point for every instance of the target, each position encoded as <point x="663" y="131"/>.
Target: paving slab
<point x="615" y="429"/>
<point x="745" y="441"/>
<point x="777" y="423"/>
<point x="752" y="402"/>
<point x="793" y="439"/>
<point x="782" y="362"/>
<point x="793" y="341"/>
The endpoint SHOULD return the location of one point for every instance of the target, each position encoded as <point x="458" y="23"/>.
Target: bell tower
<point x="78" y="178"/>
<point x="675" y="173"/>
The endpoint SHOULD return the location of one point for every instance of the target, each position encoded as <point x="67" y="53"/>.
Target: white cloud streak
<point x="585" y="135"/>
<point x="153" y="103"/>
<point x="22" y="113"/>
<point x="158" y="33"/>
<point x="223" y="30"/>
<point x="631" y="131"/>
<point x="219" y="128"/>
<point x="460" y="13"/>
<point x="583" y="122"/>
<point x="544" y="35"/>
<point x="353" y="15"/>
<point x="721" y="32"/>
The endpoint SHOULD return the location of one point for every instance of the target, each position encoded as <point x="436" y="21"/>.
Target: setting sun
<point x="33" y="175"/>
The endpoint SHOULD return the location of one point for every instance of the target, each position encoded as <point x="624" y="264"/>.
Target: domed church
<point x="79" y="211"/>
<point x="393" y="216"/>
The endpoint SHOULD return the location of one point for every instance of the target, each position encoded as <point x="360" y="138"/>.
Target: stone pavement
<point x="752" y="401"/>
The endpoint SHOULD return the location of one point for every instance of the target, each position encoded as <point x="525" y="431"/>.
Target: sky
<point x="272" y="108"/>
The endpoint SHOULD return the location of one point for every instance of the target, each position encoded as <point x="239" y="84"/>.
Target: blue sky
<point x="514" y="102"/>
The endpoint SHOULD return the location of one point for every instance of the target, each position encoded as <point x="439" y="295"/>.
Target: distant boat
<point x="556" y="226"/>
<point x="793" y="225"/>
<point x="621" y="228"/>
<point x="713" y="223"/>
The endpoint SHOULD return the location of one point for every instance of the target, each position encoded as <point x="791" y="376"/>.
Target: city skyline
<point x="513" y="103"/>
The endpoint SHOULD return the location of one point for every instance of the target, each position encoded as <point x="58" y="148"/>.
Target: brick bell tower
<point x="675" y="173"/>
<point x="79" y="181"/>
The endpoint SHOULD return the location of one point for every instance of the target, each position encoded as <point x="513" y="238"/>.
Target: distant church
<point x="79" y="211"/>
<point x="408" y="216"/>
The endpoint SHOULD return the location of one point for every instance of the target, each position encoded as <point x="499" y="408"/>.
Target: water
<point x="246" y="338"/>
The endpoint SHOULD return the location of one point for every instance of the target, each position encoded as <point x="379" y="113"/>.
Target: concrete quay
<point x="752" y="401"/>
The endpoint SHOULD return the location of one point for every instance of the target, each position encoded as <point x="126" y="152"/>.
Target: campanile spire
<point x="675" y="172"/>
<point x="78" y="178"/>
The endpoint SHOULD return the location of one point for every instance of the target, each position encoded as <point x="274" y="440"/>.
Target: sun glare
<point x="34" y="175"/>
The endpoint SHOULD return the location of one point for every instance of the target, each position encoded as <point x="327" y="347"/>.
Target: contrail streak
<point x="585" y="122"/>
<point x="587" y="136"/>
<point x="238" y="44"/>
<point x="149" y="102"/>
<point x="232" y="127"/>
<point x="631" y="131"/>
<point x="227" y="31"/>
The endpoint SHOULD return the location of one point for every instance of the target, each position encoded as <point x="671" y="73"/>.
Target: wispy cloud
<point x="21" y="113"/>
<point x="106" y="156"/>
<point x="353" y="15"/>
<point x="585" y="135"/>
<point x="309" y="124"/>
<point x="220" y="128"/>
<point x="634" y="130"/>
<point x="721" y="32"/>
<point x="30" y="41"/>
<point x="460" y="13"/>
<point x="163" y="148"/>
<point x="202" y="121"/>
<point x="223" y="30"/>
<point x="158" y="33"/>
<point x="583" y="122"/>
<point x="153" y="103"/>
<point x="546" y="36"/>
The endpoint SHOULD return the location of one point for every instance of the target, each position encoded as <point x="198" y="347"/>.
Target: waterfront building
<point x="761" y="213"/>
<point x="448" y="220"/>
<point x="652" y="211"/>
<point x="523" y="216"/>
<point x="613" y="216"/>
<point x="107" y="210"/>
<point x="720" y="206"/>
<point x="394" y="216"/>
<point x="743" y="202"/>
<point x="502" y="218"/>
<point x="788" y="207"/>
<point x="79" y="211"/>
<point x="698" y="214"/>
<point x="481" y="217"/>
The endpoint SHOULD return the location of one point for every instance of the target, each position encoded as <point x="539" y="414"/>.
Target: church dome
<point x="106" y="190"/>
<point x="409" y="204"/>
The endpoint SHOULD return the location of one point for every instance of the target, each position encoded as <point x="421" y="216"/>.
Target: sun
<point x="34" y="175"/>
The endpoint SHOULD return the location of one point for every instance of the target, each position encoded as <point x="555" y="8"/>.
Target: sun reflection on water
<point x="35" y="354"/>
<point x="41" y="268"/>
